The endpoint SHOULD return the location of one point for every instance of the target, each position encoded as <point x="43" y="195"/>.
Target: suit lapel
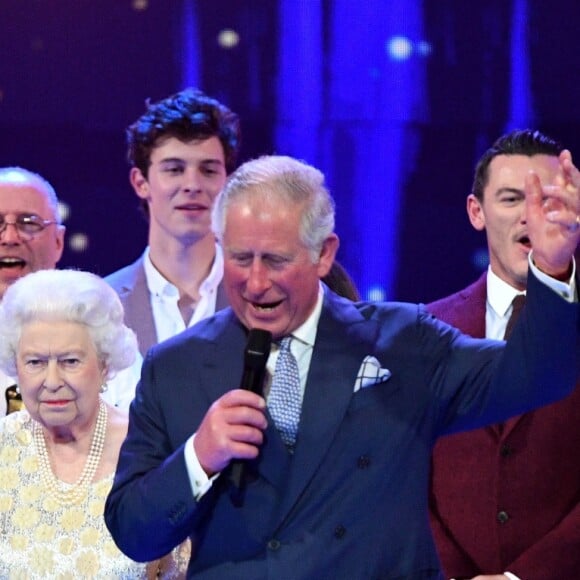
<point x="342" y="341"/>
<point x="221" y="371"/>
<point x="465" y="309"/>
<point x="137" y="304"/>
<point x="136" y="301"/>
<point x="509" y="425"/>
<point x="221" y="300"/>
<point x="473" y="313"/>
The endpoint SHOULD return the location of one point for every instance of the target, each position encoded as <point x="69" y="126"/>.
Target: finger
<point x="574" y="226"/>
<point x="240" y="397"/>
<point x="242" y="415"/>
<point x="571" y="174"/>
<point x="566" y="161"/>
<point x="534" y="195"/>
<point x="242" y="450"/>
<point x="246" y="434"/>
<point x="216" y="447"/>
<point x="556" y="197"/>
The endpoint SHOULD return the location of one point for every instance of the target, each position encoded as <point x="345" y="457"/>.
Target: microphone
<point x="256" y="355"/>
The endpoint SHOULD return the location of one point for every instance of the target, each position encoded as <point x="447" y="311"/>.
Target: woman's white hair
<point x="67" y="296"/>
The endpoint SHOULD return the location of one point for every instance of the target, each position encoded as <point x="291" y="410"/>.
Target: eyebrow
<point x="66" y="353"/>
<point x="208" y="161"/>
<point x="508" y="190"/>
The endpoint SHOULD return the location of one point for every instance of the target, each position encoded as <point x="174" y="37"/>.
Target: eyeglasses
<point x="28" y="225"/>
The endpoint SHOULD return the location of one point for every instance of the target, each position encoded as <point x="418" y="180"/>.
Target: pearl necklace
<point x="70" y="494"/>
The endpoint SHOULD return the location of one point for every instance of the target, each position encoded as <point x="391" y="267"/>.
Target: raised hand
<point x="553" y="218"/>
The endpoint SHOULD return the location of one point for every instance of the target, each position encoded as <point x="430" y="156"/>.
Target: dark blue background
<point x="397" y="138"/>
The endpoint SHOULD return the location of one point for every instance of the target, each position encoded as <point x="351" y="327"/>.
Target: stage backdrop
<point x="393" y="100"/>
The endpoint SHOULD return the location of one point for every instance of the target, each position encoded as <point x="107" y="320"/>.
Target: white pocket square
<point x="370" y="373"/>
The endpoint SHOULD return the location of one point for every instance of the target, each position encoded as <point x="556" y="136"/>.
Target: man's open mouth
<point x="525" y="241"/>
<point x="266" y="306"/>
<point x="9" y="262"/>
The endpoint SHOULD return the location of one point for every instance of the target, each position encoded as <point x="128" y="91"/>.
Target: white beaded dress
<point x="39" y="537"/>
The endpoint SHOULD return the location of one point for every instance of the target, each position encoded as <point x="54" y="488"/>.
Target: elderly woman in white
<point x="62" y="335"/>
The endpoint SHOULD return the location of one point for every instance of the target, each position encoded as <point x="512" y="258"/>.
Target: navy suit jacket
<point x="352" y="500"/>
<point x="507" y="497"/>
<point x="130" y="284"/>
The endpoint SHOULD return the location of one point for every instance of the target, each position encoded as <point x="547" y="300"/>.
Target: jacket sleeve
<point x="151" y="508"/>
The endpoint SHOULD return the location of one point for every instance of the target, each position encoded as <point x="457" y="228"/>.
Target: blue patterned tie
<point x="284" y="401"/>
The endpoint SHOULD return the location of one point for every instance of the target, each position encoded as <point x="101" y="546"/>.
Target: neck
<point x="79" y="436"/>
<point x="72" y="465"/>
<point x="185" y="266"/>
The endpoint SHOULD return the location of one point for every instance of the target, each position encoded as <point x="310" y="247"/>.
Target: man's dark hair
<point x="519" y="142"/>
<point x="188" y="115"/>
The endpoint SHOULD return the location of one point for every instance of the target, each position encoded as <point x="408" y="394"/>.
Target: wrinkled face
<point x="19" y="257"/>
<point x="269" y="275"/>
<point x="59" y="374"/>
<point x="182" y="183"/>
<point x="502" y="213"/>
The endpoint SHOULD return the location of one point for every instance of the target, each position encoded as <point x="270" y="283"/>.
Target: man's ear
<point x="327" y="254"/>
<point x="475" y="212"/>
<point x="139" y="183"/>
<point x="59" y="242"/>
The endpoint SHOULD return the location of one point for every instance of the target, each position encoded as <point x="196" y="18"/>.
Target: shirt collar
<point x="306" y="332"/>
<point x="500" y="294"/>
<point x="159" y="285"/>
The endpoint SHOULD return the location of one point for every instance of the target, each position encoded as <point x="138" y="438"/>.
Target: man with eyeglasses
<point x="31" y="238"/>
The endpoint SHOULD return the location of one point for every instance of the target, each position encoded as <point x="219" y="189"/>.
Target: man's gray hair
<point x="20" y="177"/>
<point x="289" y="179"/>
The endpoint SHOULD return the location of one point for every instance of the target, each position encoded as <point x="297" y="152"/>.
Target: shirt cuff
<point x="198" y="479"/>
<point x="567" y="290"/>
<point x="511" y="576"/>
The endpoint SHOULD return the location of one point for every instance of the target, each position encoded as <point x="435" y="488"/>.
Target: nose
<point x="53" y="379"/>
<point x="10" y="235"/>
<point x="258" y="278"/>
<point x="192" y="180"/>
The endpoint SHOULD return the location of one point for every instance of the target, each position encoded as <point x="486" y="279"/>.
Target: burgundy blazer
<point x="507" y="497"/>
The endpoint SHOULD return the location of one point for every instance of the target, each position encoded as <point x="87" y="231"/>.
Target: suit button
<point x="339" y="531"/>
<point x="502" y="517"/>
<point x="363" y="461"/>
<point x="274" y="545"/>
<point x="505" y="451"/>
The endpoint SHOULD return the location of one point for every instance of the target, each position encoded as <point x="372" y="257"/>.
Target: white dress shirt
<point x="301" y="347"/>
<point x="500" y="296"/>
<point x="167" y="319"/>
<point x="165" y="296"/>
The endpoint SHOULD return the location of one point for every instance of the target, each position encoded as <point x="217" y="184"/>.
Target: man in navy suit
<point x="377" y="383"/>
<point x="506" y="498"/>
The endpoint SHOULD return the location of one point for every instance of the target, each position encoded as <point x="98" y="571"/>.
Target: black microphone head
<point x="257" y="348"/>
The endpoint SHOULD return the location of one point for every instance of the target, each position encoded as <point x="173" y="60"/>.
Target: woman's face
<point x="59" y="374"/>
